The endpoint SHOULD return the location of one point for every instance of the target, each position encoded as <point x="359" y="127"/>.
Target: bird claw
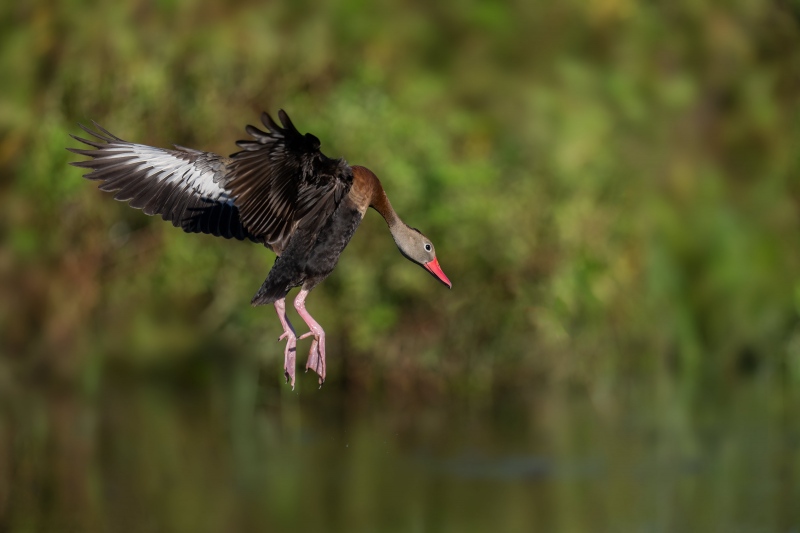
<point x="316" y="356"/>
<point x="290" y="352"/>
<point x="290" y="358"/>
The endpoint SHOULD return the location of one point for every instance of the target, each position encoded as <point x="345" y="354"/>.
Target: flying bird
<point x="278" y="190"/>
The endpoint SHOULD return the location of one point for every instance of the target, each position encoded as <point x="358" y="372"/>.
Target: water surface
<point x="234" y="454"/>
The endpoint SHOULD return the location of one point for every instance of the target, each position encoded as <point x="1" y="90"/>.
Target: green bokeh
<point x="612" y="186"/>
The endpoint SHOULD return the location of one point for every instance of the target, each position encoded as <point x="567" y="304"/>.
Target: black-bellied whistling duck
<point x="278" y="190"/>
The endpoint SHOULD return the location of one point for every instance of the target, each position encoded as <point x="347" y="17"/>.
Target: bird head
<point x="418" y="248"/>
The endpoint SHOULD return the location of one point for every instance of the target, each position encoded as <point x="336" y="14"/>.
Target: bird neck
<point x="400" y="231"/>
<point x="380" y="203"/>
<point x="378" y="200"/>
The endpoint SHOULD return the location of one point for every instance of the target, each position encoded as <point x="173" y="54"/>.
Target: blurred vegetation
<point x="612" y="187"/>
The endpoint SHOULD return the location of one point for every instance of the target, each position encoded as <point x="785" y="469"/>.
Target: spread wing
<point x="184" y="186"/>
<point x="282" y="182"/>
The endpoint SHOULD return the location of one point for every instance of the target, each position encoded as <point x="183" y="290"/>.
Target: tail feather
<point x="268" y="294"/>
<point x="279" y="282"/>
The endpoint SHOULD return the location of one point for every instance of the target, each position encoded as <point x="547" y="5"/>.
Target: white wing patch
<point x="163" y="165"/>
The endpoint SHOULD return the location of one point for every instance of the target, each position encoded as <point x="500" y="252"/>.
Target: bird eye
<point x="427" y="247"/>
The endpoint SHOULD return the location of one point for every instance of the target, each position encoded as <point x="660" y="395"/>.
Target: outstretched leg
<point x="290" y="353"/>
<point x="316" y="357"/>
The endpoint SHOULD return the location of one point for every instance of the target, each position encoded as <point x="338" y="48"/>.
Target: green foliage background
<point x="612" y="187"/>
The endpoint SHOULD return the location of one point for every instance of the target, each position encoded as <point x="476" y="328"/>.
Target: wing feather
<point x="282" y="182"/>
<point x="184" y="186"/>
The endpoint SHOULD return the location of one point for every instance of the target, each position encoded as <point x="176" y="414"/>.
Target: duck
<point x="279" y="190"/>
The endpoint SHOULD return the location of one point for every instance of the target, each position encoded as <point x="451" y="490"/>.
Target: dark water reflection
<point x="236" y="455"/>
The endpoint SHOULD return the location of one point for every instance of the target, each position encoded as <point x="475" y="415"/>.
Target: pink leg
<point x="290" y="353"/>
<point x="316" y="357"/>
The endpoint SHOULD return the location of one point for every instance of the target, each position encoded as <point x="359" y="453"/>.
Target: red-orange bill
<point x="434" y="268"/>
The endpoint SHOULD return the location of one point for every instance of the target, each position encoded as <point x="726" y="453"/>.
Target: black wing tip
<point x="271" y="125"/>
<point x="286" y="123"/>
<point x="92" y="132"/>
<point x="255" y="132"/>
<point x="99" y="132"/>
<point x="285" y="120"/>
<point x="106" y="132"/>
<point x="289" y="127"/>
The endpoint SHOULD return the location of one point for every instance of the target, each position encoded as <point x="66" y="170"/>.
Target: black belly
<point x="308" y="259"/>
